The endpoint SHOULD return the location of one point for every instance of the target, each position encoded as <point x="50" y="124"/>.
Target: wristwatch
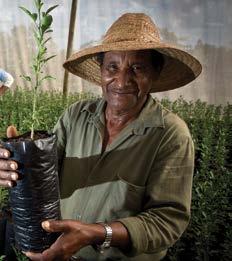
<point x="108" y="238"/>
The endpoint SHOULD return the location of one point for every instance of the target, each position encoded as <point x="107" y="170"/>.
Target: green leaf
<point x="48" y="77"/>
<point x="204" y="214"/>
<point x="27" y="12"/>
<point x="49" y="38"/>
<point x="34" y="17"/>
<point x="26" y="78"/>
<point x="42" y="51"/>
<point x="34" y="66"/>
<point x="49" y="31"/>
<point x="51" y="8"/>
<point x="46" y="21"/>
<point x="37" y="4"/>
<point x="47" y="59"/>
<point x="41" y="4"/>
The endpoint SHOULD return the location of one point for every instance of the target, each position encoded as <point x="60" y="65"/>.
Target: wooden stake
<point x="70" y="42"/>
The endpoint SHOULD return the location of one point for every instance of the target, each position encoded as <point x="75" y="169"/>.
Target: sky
<point x="191" y="20"/>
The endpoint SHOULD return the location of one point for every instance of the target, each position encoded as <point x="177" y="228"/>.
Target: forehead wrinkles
<point x="129" y="56"/>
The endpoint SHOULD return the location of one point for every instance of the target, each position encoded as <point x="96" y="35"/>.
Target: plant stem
<point x="33" y="114"/>
<point x="37" y="72"/>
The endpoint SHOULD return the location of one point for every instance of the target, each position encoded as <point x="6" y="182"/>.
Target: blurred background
<point x="202" y="27"/>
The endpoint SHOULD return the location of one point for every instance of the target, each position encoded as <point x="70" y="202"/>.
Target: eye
<point x="137" y="68"/>
<point x="112" y="67"/>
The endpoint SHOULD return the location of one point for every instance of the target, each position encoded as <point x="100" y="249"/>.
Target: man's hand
<point x="8" y="174"/>
<point x="75" y="235"/>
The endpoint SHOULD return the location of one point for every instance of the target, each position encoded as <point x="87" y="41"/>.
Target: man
<point x="127" y="162"/>
<point x="6" y="81"/>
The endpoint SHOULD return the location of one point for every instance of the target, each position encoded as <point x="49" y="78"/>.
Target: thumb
<point x="55" y="226"/>
<point x="11" y="132"/>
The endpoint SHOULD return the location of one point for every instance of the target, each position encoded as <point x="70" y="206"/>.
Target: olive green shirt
<point x="143" y="178"/>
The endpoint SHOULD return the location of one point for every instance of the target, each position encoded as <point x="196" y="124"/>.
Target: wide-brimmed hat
<point x="136" y="31"/>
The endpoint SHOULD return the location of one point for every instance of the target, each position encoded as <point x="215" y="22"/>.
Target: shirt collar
<point x="95" y="109"/>
<point x="150" y="116"/>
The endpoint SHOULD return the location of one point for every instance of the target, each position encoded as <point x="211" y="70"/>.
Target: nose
<point x="124" y="78"/>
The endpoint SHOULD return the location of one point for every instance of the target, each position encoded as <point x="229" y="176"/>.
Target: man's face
<point x="127" y="77"/>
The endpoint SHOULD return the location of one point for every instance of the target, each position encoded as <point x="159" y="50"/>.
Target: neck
<point x="117" y="120"/>
<point x="120" y="118"/>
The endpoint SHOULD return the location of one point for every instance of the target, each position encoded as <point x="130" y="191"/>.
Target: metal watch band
<point x="108" y="238"/>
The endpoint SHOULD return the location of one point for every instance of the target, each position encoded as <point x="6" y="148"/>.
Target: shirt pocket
<point x="128" y="198"/>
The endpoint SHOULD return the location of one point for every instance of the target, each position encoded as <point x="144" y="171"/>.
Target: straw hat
<point x="136" y="31"/>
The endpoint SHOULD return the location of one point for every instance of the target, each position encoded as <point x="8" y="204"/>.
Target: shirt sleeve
<point x="166" y="210"/>
<point x="63" y="127"/>
<point x="61" y="130"/>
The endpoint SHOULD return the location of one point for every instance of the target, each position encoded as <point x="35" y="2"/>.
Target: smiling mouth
<point x="123" y="92"/>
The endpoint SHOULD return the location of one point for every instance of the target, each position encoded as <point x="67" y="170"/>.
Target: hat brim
<point x="180" y="68"/>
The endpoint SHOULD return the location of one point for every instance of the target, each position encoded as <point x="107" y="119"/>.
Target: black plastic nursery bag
<point x="35" y="198"/>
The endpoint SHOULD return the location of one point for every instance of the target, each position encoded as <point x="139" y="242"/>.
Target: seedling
<point x="42" y="21"/>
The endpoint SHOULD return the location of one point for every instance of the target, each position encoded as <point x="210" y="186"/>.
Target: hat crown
<point x="136" y="31"/>
<point x="133" y="27"/>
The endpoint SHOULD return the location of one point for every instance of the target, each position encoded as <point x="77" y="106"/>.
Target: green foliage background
<point x="209" y="234"/>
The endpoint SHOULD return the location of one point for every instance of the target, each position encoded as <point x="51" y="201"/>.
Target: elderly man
<point x="6" y="81"/>
<point x="126" y="162"/>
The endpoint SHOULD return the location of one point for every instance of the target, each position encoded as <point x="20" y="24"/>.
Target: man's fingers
<point x="9" y="175"/>
<point x="51" y="254"/>
<point x="47" y="255"/>
<point x="8" y="165"/>
<point x="6" y="183"/>
<point x="11" y="132"/>
<point x="8" y="178"/>
<point x="4" y="154"/>
<point x="55" y="225"/>
<point x="34" y="256"/>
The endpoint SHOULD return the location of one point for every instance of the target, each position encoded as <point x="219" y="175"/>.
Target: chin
<point x="122" y="106"/>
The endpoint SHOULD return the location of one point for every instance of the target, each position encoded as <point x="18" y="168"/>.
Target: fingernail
<point x="27" y="254"/>
<point x="9" y="184"/>
<point x="14" y="176"/>
<point x="6" y="154"/>
<point x="13" y="166"/>
<point x="45" y="224"/>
